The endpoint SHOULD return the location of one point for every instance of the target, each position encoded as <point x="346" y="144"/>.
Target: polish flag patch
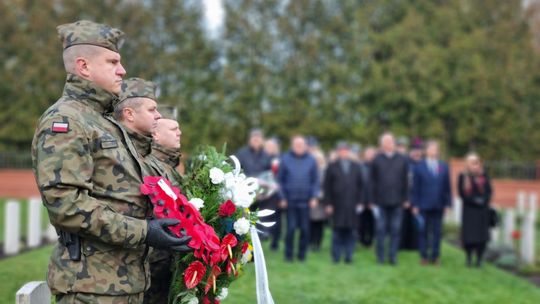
<point x="60" y="127"/>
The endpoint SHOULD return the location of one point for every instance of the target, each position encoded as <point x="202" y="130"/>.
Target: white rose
<point x="241" y="226"/>
<point x="197" y="202"/>
<point x="223" y="294"/>
<point x="217" y="176"/>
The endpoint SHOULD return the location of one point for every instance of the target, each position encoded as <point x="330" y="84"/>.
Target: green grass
<point x="17" y="270"/>
<point x="24" y="217"/>
<point x="320" y="281"/>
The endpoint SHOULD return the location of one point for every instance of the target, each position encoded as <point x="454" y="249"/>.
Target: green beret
<point x="137" y="87"/>
<point x="88" y="32"/>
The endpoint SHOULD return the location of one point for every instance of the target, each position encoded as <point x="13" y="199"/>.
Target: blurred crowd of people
<point x="397" y="190"/>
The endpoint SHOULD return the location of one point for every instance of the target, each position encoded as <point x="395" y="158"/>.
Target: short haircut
<point x="133" y="102"/>
<point x="71" y="54"/>
<point x="387" y="133"/>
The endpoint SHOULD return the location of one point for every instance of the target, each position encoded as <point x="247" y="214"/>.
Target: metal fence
<point x="513" y="170"/>
<point x="15" y="160"/>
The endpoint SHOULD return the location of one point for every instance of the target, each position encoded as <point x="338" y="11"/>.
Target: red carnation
<point x="194" y="274"/>
<point x="516" y="235"/>
<point x="227" y="209"/>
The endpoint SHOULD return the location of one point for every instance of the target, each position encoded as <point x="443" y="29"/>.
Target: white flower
<point x="246" y="257"/>
<point x="197" y="202"/>
<point x="223" y="294"/>
<point x="241" y="226"/>
<point x="244" y="192"/>
<point x="217" y="176"/>
<point x="230" y="180"/>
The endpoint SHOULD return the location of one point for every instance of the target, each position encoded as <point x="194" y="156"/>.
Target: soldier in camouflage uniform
<point x="89" y="173"/>
<point x="136" y="111"/>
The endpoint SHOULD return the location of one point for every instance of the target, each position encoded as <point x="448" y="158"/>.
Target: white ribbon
<point x="261" y="278"/>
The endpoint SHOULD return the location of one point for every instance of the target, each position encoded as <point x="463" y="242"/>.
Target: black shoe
<point x="348" y="261"/>
<point x="393" y="262"/>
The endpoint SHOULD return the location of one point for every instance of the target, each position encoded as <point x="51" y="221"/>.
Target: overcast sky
<point x="214" y="15"/>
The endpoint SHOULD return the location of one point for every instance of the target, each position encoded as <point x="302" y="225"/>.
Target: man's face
<point x="106" y="71"/>
<point x="432" y="150"/>
<point x="271" y="147"/>
<point x="145" y="117"/>
<point x="388" y="144"/>
<point x="344" y="153"/>
<point x="369" y="154"/>
<point x="299" y="146"/>
<point x="256" y="141"/>
<point x="168" y="133"/>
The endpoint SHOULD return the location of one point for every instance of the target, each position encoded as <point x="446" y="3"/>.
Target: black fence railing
<point x="15" y="160"/>
<point x="513" y="170"/>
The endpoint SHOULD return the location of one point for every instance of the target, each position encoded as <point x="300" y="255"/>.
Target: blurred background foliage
<point x="464" y="71"/>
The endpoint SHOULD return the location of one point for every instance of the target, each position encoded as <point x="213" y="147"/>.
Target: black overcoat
<point x="343" y="191"/>
<point x="475" y="217"/>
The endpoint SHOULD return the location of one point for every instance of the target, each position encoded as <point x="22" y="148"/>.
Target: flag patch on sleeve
<point x="60" y="127"/>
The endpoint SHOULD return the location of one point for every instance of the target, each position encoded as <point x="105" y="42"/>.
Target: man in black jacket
<point x="252" y="157"/>
<point x="389" y="188"/>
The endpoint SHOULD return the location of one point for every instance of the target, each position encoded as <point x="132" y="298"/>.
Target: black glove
<point x="158" y="236"/>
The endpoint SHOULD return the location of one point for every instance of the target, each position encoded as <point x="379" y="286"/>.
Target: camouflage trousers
<point x="89" y="298"/>
<point x="160" y="280"/>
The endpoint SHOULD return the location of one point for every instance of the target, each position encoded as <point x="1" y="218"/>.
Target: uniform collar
<point x="166" y="155"/>
<point x="141" y="143"/>
<point x="86" y="91"/>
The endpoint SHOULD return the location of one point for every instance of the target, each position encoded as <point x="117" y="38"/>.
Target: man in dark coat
<point x="431" y="197"/>
<point x="390" y="189"/>
<point x="252" y="157"/>
<point x="342" y="196"/>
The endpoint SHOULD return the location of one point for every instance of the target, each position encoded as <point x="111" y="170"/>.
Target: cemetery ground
<point x="318" y="280"/>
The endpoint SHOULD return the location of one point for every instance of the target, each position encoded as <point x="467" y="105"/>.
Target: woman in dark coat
<point x="474" y="189"/>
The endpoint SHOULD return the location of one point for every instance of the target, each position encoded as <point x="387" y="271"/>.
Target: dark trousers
<point x="342" y="242"/>
<point x="297" y="218"/>
<point x="388" y="222"/>
<point x="275" y="231"/>
<point x="429" y="241"/>
<point x="316" y="234"/>
<point x="478" y="249"/>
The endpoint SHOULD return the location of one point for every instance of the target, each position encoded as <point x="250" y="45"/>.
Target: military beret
<point x="88" y="32"/>
<point x="137" y="87"/>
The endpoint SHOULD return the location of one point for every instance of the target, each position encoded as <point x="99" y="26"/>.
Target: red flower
<point x="194" y="274"/>
<point x="245" y="247"/>
<point x="205" y="300"/>
<point x="228" y="242"/>
<point x="211" y="283"/>
<point x="516" y="235"/>
<point x="230" y="267"/>
<point x="227" y="209"/>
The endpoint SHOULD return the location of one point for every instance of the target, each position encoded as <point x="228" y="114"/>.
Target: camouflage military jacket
<point x="163" y="162"/>
<point x="89" y="175"/>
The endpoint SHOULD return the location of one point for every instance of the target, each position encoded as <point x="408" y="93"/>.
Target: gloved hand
<point x="159" y="237"/>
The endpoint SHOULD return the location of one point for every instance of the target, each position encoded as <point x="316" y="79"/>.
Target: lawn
<point x="320" y="281"/>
